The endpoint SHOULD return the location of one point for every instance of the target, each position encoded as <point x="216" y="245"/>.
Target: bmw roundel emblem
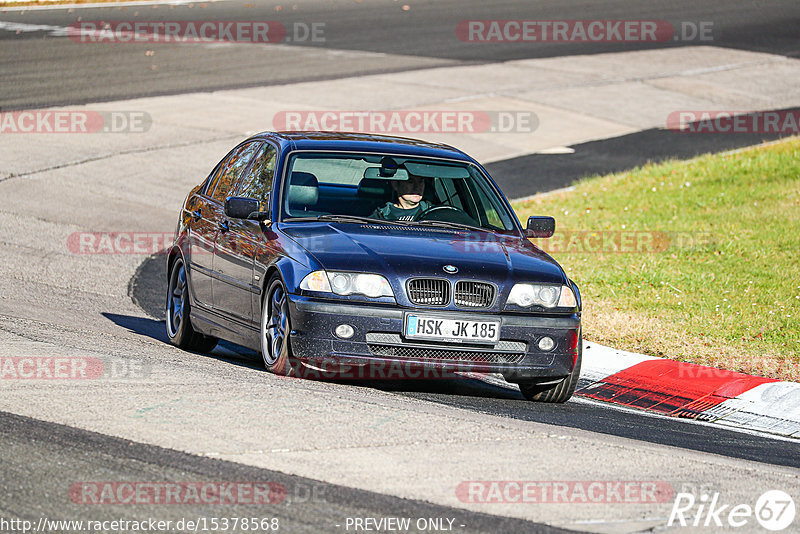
<point x="452" y="269"/>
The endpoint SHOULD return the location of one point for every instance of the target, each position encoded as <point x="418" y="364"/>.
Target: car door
<point x="229" y="284"/>
<point x="236" y="247"/>
<point x="202" y="236"/>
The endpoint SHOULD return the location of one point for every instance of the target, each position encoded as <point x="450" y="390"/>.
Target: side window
<point x="486" y="208"/>
<point x="492" y="217"/>
<point x="258" y="182"/>
<point x="211" y="181"/>
<point x="229" y="172"/>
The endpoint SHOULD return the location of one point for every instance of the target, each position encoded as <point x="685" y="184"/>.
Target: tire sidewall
<point x="183" y="333"/>
<point x="282" y="365"/>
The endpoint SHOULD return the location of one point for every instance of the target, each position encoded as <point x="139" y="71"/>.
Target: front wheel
<point x="179" y="325"/>
<point x="558" y="392"/>
<point x="276" y="328"/>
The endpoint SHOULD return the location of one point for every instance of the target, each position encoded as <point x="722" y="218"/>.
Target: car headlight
<point x="370" y="285"/>
<point x="316" y="281"/>
<point x="527" y="295"/>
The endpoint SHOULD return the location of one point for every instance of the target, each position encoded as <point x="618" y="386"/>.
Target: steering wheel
<point x="424" y="214"/>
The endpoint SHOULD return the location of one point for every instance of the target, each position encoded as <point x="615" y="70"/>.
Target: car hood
<point x="404" y="252"/>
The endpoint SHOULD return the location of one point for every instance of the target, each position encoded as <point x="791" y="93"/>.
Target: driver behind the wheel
<point x="409" y="203"/>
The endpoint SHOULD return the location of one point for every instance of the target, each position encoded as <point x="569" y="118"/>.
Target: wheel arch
<point x="173" y="254"/>
<point x="271" y="271"/>
<point x="287" y="270"/>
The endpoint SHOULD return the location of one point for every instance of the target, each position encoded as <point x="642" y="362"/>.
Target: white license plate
<point x="453" y="330"/>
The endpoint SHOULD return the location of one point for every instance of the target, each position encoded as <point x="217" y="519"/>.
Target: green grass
<point x="721" y="286"/>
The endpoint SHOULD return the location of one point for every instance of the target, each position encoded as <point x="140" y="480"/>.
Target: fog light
<point x="345" y="331"/>
<point x="546" y="344"/>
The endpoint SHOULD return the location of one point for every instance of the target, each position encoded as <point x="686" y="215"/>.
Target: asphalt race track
<point x="149" y="284"/>
<point x="339" y="450"/>
<point x="380" y="37"/>
<point x="46" y="454"/>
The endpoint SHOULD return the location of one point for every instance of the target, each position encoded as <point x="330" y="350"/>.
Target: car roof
<point x="350" y="141"/>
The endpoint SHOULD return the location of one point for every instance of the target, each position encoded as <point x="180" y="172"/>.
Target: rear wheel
<point x="179" y="325"/>
<point x="276" y="347"/>
<point x="558" y="392"/>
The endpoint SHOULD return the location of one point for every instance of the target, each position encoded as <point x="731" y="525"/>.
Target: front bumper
<point x="378" y="340"/>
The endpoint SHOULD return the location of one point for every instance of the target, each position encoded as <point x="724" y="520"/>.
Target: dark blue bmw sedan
<point x="320" y="248"/>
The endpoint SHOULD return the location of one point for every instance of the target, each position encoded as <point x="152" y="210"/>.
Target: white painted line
<point x="17" y="27"/>
<point x="98" y="5"/>
<point x="130" y="36"/>
<point x="557" y="150"/>
<point x="544" y="195"/>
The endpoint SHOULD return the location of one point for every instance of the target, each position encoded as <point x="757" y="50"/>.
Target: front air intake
<point x="429" y="291"/>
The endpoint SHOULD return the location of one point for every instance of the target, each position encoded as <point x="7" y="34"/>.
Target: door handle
<point x="197" y="215"/>
<point x="223" y="226"/>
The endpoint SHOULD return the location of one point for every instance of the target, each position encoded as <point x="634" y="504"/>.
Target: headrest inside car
<point x="303" y="189"/>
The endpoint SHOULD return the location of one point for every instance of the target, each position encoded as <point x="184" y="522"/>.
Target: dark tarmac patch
<point x="538" y="173"/>
<point x="422" y="37"/>
<point x="148" y="286"/>
<point x="53" y="458"/>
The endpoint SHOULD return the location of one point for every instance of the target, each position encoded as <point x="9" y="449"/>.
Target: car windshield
<point x="391" y="188"/>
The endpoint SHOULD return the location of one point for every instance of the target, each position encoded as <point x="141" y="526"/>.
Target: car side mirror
<point x="244" y="208"/>
<point x="540" y="226"/>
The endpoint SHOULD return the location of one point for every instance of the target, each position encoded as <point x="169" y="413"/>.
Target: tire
<point x="276" y="350"/>
<point x="555" y="393"/>
<point x="179" y="325"/>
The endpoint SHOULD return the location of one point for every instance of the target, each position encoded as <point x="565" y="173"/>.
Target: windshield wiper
<point x="345" y="218"/>
<point x="451" y="225"/>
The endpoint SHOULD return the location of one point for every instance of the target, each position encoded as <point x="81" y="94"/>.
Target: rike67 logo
<point x="774" y="510"/>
